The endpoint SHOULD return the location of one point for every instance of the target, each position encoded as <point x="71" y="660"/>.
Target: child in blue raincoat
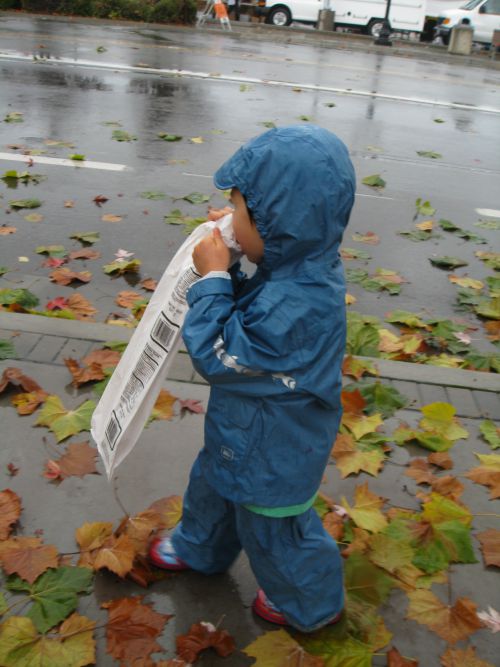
<point x="271" y="348"/>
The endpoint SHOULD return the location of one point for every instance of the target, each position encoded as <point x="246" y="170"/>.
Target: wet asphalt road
<point x="71" y="91"/>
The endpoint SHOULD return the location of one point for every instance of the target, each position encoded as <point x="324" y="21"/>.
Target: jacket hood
<point x="299" y="185"/>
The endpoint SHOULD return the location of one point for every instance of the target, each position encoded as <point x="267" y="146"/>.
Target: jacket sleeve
<point x="253" y="352"/>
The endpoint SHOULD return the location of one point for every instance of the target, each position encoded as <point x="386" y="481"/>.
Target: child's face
<point x="245" y="230"/>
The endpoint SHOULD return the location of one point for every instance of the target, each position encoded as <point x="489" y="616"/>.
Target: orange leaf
<point x="441" y="459"/>
<point x="490" y="546"/>
<point x="132" y="629"/>
<point x="116" y="554"/>
<point x="170" y="511"/>
<point x="357" y="367"/>
<point x="78" y="461"/>
<point x="451" y="623"/>
<point x="463" y="658"/>
<point x="448" y="486"/>
<point x="16" y="377"/>
<point x="81" y="307"/>
<point x="4" y="230"/>
<point x="106" y="358"/>
<point x="65" y="276"/>
<point x="201" y="636"/>
<point x="93" y="535"/>
<point x="69" y="203"/>
<point x="148" y="284"/>
<point x="425" y="226"/>
<point x="334" y="525"/>
<point x="127" y="299"/>
<point x="420" y="471"/>
<point x="487" y="476"/>
<point x="84" y="253"/>
<point x="492" y="329"/>
<point x="164" y="406"/>
<point x="10" y="511"/>
<point x="27" y="556"/>
<point x="369" y="237"/>
<point x="109" y="217"/>
<point x="353" y="402"/>
<point x="395" y="659"/>
<point x="138" y="528"/>
<point x="27" y="403"/>
<point x="82" y="375"/>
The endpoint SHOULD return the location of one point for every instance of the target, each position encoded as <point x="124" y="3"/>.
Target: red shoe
<point x="162" y="554"/>
<point x="264" y="608"/>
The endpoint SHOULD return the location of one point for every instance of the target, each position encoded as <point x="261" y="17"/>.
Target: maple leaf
<point x="352" y="458"/>
<point x="164" y="406"/>
<point x="81" y="307"/>
<point x="27" y="556"/>
<point x="488" y="473"/>
<point x="99" y="199"/>
<point x="170" y="511"/>
<point x="78" y="461"/>
<point x="491" y="619"/>
<point x="27" y="403"/>
<point x="90" y="373"/>
<point x="138" y="528"/>
<point x="116" y="554"/>
<point x="65" y="276"/>
<point x="395" y="659"/>
<point x="278" y="648"/>
<point x="62" y="422"/>
<point x="59" y="303"/>
<point x="84" y="253"/>
<point x="389" y="553"/>
<point x="54" y="594"/>
<point x="74" y="646"/>
<point x="91" y="536"/>
<point x="441" y="459"/>
<point x="490" y="432"/>
<point x="10" y="511"/>
<point x="448" y="486"/>
<point x="127" y="299"/>
<point x="334" y="525"/>
<point x="107" y="358"/>
<point x="132" y="629"/>
<point x="451" y="623"/>
<point x="463" y="658"/>
<point x="201" y="636"/>
<point x="438" y="509"/>
<point x="16" y="378"/>
<point x="490" y="546"/>
<point x="191" y="405"/>
<point x="148" y="284"/>
<point x="366" y="510"/>
<point x="109" y="217"/>
<point x="420" y="471"/>
<point x="356" y="368"/>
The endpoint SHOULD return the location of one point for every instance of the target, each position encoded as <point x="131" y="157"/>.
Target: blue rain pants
<point x="295" y="561"/>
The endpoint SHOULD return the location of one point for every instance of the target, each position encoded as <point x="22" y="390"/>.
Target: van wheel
<point x="374" y="27"/>
<point x="279" y="16"/>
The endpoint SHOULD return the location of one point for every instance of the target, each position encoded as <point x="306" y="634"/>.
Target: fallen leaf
<point x="77" y="157"/>
<point x="169" y="510"/>
<point x="14" y="117"/>
<point x="27" y="403"/>
<point x="121" y="135"/>
<point x="197" y="140"/>
<point x="351" y="458"/>
<point x="65" y="276"/>
<point x="425" y="226"/>
<point x="119" y="267"/>
<point x="164" y="405"/>
<point x="490" y="432"/>
<point x="84" y="253"/>
<point x="420" y="471"/>
<point x="127" y="299"/>
<point x="10" y="511"/>
<point x="81" y="307"/>
<point x="166" y="136"/>
<point x="116" y="554"/>
<point x="374" y="181"/>
<point x="107" y="358"/>
<point x="441" y="459"/>
<point x="33" y="217"/>
<point x="487" y="474"/>
<point x="109" y="217"/>
<point x="465" y="281"/>
<point x="79" y="460"/>
<point x="16" y="378"/>
<point x="451" y="623"/>
<point x="132" y="629"/>
<point x="69" y="203"/>
<point x="202" y="636"/>
<point x="368" y="237"/>
<point x="463" y="658"/>
<point x="149" y="284"/>
<point x="91" y="536"/>
<point x="62" y="422"/>
<point x="366" y="511"/>
<point x="86" y="237"/>
<point x="81" y="375"/>
<point x="429" y="154"/>
<point x="24" y="203"/>
<point x="99" y="200"/>
<point x="490" y="546"/>
<point x="395" y="659"/>
<point x="27" y="556"/>
<point x="12" y="471"/>
<point x="424" y="207"/>
<point x="5" y="230"/>
<point x="191" y="405"/>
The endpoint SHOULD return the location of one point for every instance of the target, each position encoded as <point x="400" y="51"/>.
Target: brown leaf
<point x="16" y="378"/>
<point x="27" y="556"/>
<point x="174" y="662"/>
<point x="490" y="546"/>
<point x="78" y="461"/>
<point x="353" y="402"/>
<point x="164" y="406"/>
<point x="368" y="237"/>
<point x="65" y="276"/>
<point x="132" y="629"/>
<point x="448" y="486"/>
<point x="10" y="511"/>
<point x="27" y="403"/>
<point x="451" y="623"/>
<point x="170" y="511"/>
<point x="334" y="525"/>
<point x="149" y="284"/>
<point x="81" y="307"/>
<point x="441" y="459"/>
<point x="84" y="253"/>
<point x="109" y="217"/>
<point x="463" y="658"/>
<point x="395" y="659"/>
<point x="127" y="299"/>
<point x="91" y="536"/>
<point x="201" y="636"/>
<point x="100" y="199"/>
<point x="81" y="375"/>
<point x="143" y="573"/>
<point x="420" y="471"/>
<point x="106" y="358"/>
<point x="487" y="476"/>
<point x="69" y="203"/>
<point x="116" y="554"/>
<point x="4" y="230"/>
<point x="139" y="528"/>
<point x="492" y="329"/>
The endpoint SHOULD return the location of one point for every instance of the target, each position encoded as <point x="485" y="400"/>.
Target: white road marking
<point x="490" y="212"/>
<point x="120" y="67"/>
<point x="62" y="162"/>
<point x="187" y="173"/>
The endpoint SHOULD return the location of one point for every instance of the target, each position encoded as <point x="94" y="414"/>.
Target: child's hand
<point x="211" y="254"/>
<point x="218" y="213"/>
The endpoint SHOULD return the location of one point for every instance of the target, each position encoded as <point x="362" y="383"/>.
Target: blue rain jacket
<point x="271" y="346"/>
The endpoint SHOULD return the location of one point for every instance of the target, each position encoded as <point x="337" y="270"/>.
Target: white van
<point x="368" y="15"/>
<point x="483" y="15"/>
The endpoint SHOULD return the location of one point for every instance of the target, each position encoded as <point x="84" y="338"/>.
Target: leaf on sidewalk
<point x="279" y="648"/>
<point x="368" y="237"/>
<point x="202" y="636"/>
<point x="10" y="511"/>
<point x="490" y="432"/>
<point x="79" y="460"/>
<point x="126" y="299"/>
<point x="120" y="267"/>
<point x="420" y="471"/>
<point x="374" y="181"/>
<point x="356" y="368"/>
<point x="169" y="510"/>
<point x="132" y="629"/>
<point x="62" y="422"/>
<point x="490" y="546"/>
<point x="451" y="623"/>
<point x="81" y="375"/>
<point x="447" y="262"/>
<point x="16" y="378"/>
<point x="395" y="659"/>
<point x="27" y="403"/>
<point x="366" y="511"/>
<point x="84" y="253"/>
<point x="457" y="657"/>
<point x="81" y="307"/>
<point x="164" y="406"/>
<point x="488" y="473"/>
<point x="65" y="276"/>
<point x="87" y="238"/>
<point x="27" y="556"/>
<point x="149" y="284"/>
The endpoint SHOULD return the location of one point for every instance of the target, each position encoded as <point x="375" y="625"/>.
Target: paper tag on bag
<point x="133" y="388"/>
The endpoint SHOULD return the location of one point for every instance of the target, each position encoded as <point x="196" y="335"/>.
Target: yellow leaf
<point x="389" y="342"/>
<point x="425" y="226"/>
<point x="279" y="648"/>
<point x="93" y="535"/>
<point x="465" y="281"/>
<point x="366" y="510"/>
<point x="164" y="406"/>
<point x="440" y="418"/>
<point x="360" y="425"/>
<point x="117" y="554"/>
<point x="438" y="509"/>
<point x="350" y="299"/>
<point x="451" y="623"/>
<point x="197" y="140"/>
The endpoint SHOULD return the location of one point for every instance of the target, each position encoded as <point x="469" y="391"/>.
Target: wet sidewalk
<point x="159" y="466"/>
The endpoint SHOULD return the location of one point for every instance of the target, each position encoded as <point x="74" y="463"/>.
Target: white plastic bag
<point x="132" y="391"/>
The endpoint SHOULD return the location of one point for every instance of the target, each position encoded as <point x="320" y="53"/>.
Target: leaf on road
<point x="10" y="511"/>
<point x="169" y="510"/>
<point x="6" y="230"/>
<point x="420" y="471"/>
<point x="119" y="267"/>
<point x="73" y="646"/>
<point x="79" y="460"/>
<point x="149" y="284"/>
<point x="24" y="203"/>
<point x="463" y="658"/>
<point x="77" y="157"/>
<point x="488" y="224"/>
<point x="491" y="259"/>
<point x="197" y="140"/>
<point x="451" y="623"/>
<point x="27" y="403"/>
<point x="430" y="154"/>
<point x="33" y="217"/>
<point x="368" y="237"/>
<point x="166" y="136"/>
<point x="62" y="422"/>
<point x="354" y="253"/>
<point x="491" y="619"/>
<point x="268" y="123"/>
<point x="58" y="251"/>
<point x="366" y="511"/>
<point x="14" y="117"/>
<point x="448" y="226"/>
<point x="356" y="368"/>
<point x="84" y="253"/>
<point x="352" y="457"/>
<point x="395" y="659"/>
<point x="81" y="307"/>
<point x="153" y="195"/>
<point x="121" y="135"/>
<point x="490" y="432"/>
<point x="488" y="473"/>
<point x="164" y="405"/>
<point x="27" y="556"/>
<point x="16" y="378"/>
<point x="202" y="636"/>
<point x="92" y="536"/>
<point x="196" y="198"/>
<point x="132" y="630"/>
<point x="279" y="648"/>
<point x="110" y="217"/>
<point x="465" y="281"/>
<point x="441" y="459"/>
<point x="87" y="238"/>
<point x="374" y="181"/>
<point x="447" y="262"/>
<point x="65" y="276"/>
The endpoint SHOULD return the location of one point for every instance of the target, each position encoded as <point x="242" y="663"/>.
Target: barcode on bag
<point x="184" y="283"/>
<point x="145" y="368"/>
<point x="112" y="432"/>
<point x="131" y="391"/>
<point x="163" y="331"/>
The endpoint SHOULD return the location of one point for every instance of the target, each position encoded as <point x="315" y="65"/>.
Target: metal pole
<point x="385" y="33"/>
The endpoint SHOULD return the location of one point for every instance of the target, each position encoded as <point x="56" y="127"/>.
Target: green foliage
<point x="178" y="11"/>
<point x="379" y="397"/>
<point x="21" y="297"/>
<point x="7" y="350"/>
<point x="10" y="4"/>
<point x="362" y="335"/>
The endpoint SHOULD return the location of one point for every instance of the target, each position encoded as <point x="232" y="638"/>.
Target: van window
<point x="491" y="7"/>
<point x="471" y="4"/>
